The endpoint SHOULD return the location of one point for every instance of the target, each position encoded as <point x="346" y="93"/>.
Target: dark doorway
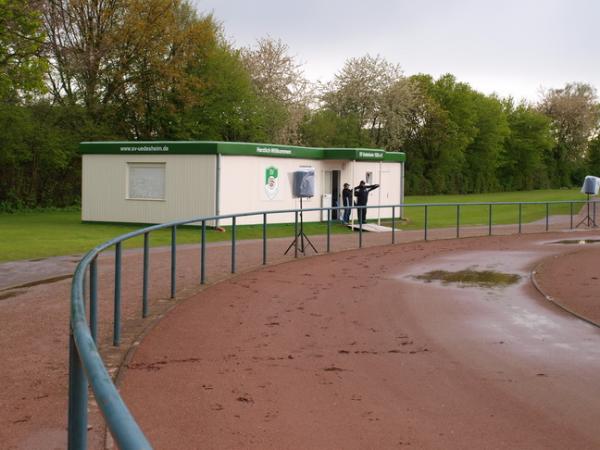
<point x="335" y="193"/>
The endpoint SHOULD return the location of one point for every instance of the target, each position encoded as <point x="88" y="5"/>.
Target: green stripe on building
<point x="237" y="149"/>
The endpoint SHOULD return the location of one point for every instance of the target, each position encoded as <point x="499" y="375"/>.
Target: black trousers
<point x="362" y="214"/>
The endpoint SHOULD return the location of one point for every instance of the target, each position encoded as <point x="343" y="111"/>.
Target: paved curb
<point x="553" y="300"/>
<point x="47" y="280"/>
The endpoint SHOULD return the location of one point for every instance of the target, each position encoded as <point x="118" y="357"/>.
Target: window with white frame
<point x="146" y="181"/>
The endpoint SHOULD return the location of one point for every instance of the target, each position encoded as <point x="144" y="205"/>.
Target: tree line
<point x="76" y="70"/>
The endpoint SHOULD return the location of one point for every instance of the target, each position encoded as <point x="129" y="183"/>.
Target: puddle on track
<point x="487" y="270"/>
<point x="577" y="241"/>
<point x="508" y="314"/>
<point x="471" y="277"/>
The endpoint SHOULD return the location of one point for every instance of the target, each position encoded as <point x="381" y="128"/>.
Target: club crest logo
<point x="271" y="182"/>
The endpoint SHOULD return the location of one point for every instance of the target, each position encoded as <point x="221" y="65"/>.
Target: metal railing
<point x="85" y="363"/>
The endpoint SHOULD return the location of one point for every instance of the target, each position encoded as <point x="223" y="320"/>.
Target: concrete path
<point x="17" y="273"/>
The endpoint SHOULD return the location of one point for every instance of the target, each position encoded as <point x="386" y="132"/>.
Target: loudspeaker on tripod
<point x="591" y="185"/>
<point x="304" y="183"/>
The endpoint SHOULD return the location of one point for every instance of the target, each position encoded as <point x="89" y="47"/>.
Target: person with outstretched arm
<point x="361" y="192"/>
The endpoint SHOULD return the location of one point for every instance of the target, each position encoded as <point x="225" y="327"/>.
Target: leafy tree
<point x="426" y="159"/>
<point x="375" y="92"/>
<point x="574" y="113"/>
<point x="431" y="164"/>
<point x="81" y="37"/>
<point x="123" y="69"/>
<point x="458" y="102"/>
<point x="482" y="156"/>
<point x="593" y="157"/>
<point x="326" y="128"/>
<point x="280" y="84"/>
<point x="455" y="137"/>
<point x="398" y="101"/>
<point x="228" y="107"/>
<point x="522" y="161"/>
<point x="160" y="84"/>
<point x="39" y="160"/>
<point x="128" y="62"/>
<point x="21" y="37"/>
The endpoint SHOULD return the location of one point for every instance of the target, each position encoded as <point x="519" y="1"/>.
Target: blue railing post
<point x="547" y="215"/>
<point x="78" y="399"/>
<point x="425" y="224"/>
<point x="173" y="260"/>
<point x="264" y="238"/>
<point x="520" y="216"/>
<point x="117" y="311"/>
<point x="490" y="220"/>
<point x="203" y="254"/>
<point x="329" y="230"/>
<point x="145" y="276"/>
<point x="393" y="224"/>
<point x="94" y="299"/>
<point x="457" y="221"/>
<point x="233" y="244"/>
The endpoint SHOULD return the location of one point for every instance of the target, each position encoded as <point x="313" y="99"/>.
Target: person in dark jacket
<point x="347" y="202"/>
<point x="361" y="192"/>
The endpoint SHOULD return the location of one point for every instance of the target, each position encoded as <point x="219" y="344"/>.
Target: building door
<point x="331" y="189"/>
<point x="336" y="199"/>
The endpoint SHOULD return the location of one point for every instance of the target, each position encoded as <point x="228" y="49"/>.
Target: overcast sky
<point x="511" y="47"/>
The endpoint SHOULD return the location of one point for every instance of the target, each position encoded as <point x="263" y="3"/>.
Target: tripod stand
<point x="301" y="236"/>
<point x="589" y="220"/>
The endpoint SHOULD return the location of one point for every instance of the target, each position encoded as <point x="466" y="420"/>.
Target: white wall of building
<point x="243" y="186"/>
<point x="388" y="176"/>
<point x="189" y="188"/>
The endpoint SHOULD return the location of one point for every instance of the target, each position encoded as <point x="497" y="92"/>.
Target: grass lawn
<point x="445" y="216"/>
<point x="29" y="235"/>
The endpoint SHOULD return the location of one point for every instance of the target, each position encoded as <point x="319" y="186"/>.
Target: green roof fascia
<point x="397" y="157"/>
<point x="148" y="147"/>
<point x="199" y="148"/>
<point x="364" y="154"/>
<point x="354" y="154"/>
<point x="277" y="151"/>
<point x="238" y="149"/>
